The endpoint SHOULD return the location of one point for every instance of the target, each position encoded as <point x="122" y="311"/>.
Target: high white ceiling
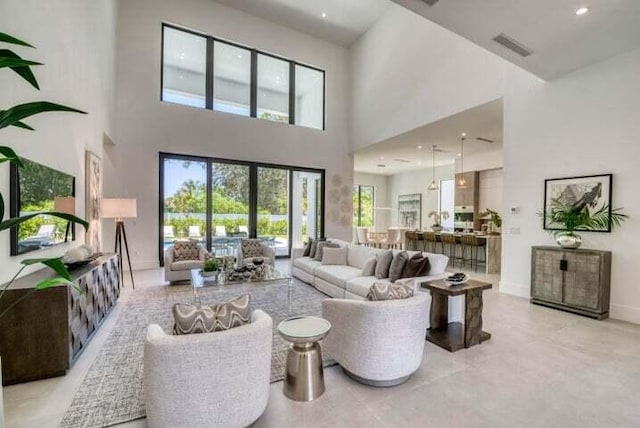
<point x="345" y="20"/>
<point x="561" y="40"/>
<point x="402" y="153"/>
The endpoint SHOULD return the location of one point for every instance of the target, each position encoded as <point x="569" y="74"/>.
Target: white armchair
<point x="208" y="380"/>
<point x="377" y="343"/>
<point x="265" y="251"/>
<point x="178" y="271"/>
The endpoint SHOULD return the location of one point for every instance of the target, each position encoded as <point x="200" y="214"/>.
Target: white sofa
<point x="347" y="282"/>
<point x="377" y="343"/>
<point x="208" y="380"/>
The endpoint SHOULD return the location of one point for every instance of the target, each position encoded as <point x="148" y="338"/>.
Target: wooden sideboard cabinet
<point x="577" y="281"/>
<point x="44" y="334"/>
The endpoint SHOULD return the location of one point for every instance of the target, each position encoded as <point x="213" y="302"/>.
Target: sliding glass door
<point x="273" y="208"/>
<point x="218" y="202"/>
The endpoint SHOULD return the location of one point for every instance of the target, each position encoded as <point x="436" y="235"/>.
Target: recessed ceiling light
<point x="464" y="134"/>
<point x="459" y="154"/>
<point x="419" y="147"/>
<point x="381" y="157"/>
<point x="324" y="15"/>
<point x="582" y="11"/>
<point x="182" y="55"/>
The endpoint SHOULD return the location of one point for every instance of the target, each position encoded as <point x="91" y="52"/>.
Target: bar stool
<point x="420" y="241"/>
<point x="472" y="245"/>
<point x="431" y="241"/>
<point x="450" y="247"/>
<point x="412" y="240"/>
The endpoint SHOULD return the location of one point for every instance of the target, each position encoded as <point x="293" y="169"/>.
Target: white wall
<point x="490" y="190"/>
<point x="147" y="126"/>
<point x="381" y="218"/>
<point x="418" y="182"/>
<point x="583" y="123"/>
<point x="76" y="41"/>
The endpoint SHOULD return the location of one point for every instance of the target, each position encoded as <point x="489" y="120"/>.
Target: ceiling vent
<point x="402" y="160"/>
<point x="484" y="140"/>
<point x="430" y="2"/>
<point x="381" y="165"/>
<point x="512" y="45"/>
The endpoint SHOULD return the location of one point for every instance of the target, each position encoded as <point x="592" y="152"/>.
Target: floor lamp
<point x="119" y="209"/>
<point x="67" y="205"/>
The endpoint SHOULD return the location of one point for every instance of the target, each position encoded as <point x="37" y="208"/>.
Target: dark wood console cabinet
<point x="43" y="335"/>
<point x="572" y="280"/>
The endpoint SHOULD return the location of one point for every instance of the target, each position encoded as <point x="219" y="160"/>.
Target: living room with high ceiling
<point x="273" y="213"/>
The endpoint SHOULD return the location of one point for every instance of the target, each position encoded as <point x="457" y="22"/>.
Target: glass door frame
<point x="253" y="195"/>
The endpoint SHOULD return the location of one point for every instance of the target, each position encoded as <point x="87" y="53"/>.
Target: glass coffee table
<point x="265" y="274"/>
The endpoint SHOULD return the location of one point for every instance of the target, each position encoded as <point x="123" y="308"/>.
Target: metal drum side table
<point x="304" y="377"/>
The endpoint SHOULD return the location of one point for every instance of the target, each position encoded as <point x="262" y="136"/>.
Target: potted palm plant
<point x="438" y="216"/>
<point x="14" y="116"/>
<point x="562" y="213"/>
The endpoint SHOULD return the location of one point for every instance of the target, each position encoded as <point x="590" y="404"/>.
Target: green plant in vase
<point x="493" y="216"/>
<point x="14" y="116"/>
<point x="211" y="265"/>
<point x="563" y="213"/>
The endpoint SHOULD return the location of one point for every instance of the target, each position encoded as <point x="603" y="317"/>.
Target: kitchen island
<point x="415" y="240"/>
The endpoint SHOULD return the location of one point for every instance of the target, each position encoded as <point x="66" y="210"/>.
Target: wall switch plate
<point x="514" y="231"/>
<point x="515" y="210"/>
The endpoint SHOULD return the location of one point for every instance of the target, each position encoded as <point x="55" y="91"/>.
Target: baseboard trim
<point x="515" y="289"/>
<point x="625" y="313"/>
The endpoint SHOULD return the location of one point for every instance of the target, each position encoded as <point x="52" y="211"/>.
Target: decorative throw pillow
<point x="388" y="291"/>
<point x="397" y="265"/>
<point x="334" y="256"/>
<point x="426" y="267"/>
<point x="190" y="319"/>
<point x="369" y="267"/>
<point x="414" y="266"/>
<point x="321" y="246"/>
<point x="383" y="261"/>
<point x="251" y="248"/>
<point x="185" y="250"/>
<point x="314" y="247"/>
<point x="307" y="248"/>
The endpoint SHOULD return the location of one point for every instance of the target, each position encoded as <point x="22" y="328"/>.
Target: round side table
<point x="304" y="377"/>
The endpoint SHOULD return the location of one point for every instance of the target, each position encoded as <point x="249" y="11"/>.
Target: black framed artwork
<point x="591" y="192"/>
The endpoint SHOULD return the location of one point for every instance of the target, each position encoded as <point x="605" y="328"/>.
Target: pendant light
<point x="433" y="185"/>
<point x="462" y="182"/>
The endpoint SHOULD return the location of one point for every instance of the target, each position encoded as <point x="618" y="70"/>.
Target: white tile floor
<point x="541" y="368"/>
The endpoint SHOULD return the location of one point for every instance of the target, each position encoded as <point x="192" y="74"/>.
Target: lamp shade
<point x="64" y="204"/>
<point x="118" y="208"/>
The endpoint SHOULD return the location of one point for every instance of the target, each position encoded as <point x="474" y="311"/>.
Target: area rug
<point x="112" y="392"/>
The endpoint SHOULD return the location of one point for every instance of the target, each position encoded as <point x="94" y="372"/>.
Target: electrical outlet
<point x="514" y="231"/>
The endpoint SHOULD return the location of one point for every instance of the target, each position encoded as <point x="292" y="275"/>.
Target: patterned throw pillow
<point x="251" y="248"/>
<point x="307" y="248"/>
<point x="185" y="250"/>
<point x="383" y="261"/>
<point x="190" y="319"/>
<point x="389" y="291"/>
<point x="397" y="265"/>
<point x="321" y="246"/>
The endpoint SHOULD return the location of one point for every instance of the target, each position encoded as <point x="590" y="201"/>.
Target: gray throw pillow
<point x="307" y="248"/>
<point x="313" y="248"/>
<point x="321" y="246"/>
<point x="369" y="267"/>
<point x="425" y="269"/>
<point x="388" y="291"/>
<point x="383" y="261"/>
<point x="414" y="266"/>
<point x="190" y="319"/>
<point x="397" y="265"/>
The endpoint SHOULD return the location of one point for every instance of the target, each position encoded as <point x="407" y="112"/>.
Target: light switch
<point x="514" y="231"/>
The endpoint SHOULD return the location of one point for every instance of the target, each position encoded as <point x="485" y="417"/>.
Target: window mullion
<point x="254" y="84"/>
<point x="209" y="78"/>
<point x="292" y="93"/>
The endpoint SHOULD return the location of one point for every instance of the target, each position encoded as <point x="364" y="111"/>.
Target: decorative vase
<point x="436" y="228"/>
<point x="208" y="273"/>
<point x="569" y="240"/>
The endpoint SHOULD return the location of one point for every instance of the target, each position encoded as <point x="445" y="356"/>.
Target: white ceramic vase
<point x="569" y="240"/>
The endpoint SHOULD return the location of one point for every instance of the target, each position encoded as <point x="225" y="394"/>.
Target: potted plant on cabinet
<point x="14" y="116"/>
<point x="495" y="220"/>
<point x="438" y="216"/>
<point x="561" y="213"/>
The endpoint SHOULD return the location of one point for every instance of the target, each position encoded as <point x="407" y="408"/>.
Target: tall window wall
<point x="218" y="202"/>
<point x="363" y="205"/>
<point x="202" y="71"/>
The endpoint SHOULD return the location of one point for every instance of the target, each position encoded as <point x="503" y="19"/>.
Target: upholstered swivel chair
<point x="377" y="343"/>
<point x="179" y="269"/>
<point x="208" y="380"/>
<point x="253" y="248"/>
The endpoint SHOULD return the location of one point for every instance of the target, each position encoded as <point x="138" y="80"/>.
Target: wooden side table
<point x="454" y="336"/>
